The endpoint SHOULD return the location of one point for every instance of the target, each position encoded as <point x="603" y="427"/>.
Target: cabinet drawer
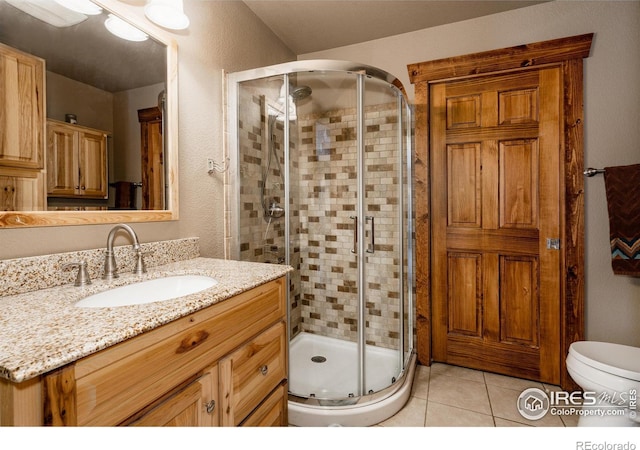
<point x="250" y="373"/>
<point x="115" y="383"/>
<point x="272" y="412"/>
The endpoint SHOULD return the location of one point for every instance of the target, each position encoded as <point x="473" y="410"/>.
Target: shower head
<point x="299" y="92"/>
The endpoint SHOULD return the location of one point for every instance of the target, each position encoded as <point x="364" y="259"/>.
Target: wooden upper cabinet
<point x="76" y="161"/>
<point x="21" y="109"/>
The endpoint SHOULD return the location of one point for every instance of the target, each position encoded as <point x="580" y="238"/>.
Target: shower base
<point x="326" y="368"/>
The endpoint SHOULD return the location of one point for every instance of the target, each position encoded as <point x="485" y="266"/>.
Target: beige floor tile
<point x="507" y="423"/>
<point x="460" y="393"/>
<point x="504" y="405"/>
<point x="412" y="415"/>
<point x="439" y="370"/>
<point x="517" y="384"/>
<point x="420" y="387"/>
<point x="439" y="415"/>
<point x="570" y="421"/>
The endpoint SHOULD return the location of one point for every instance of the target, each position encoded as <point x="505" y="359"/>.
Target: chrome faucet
<point x="110" y="266"/>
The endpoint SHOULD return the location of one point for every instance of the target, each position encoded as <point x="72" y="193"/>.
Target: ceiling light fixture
<point x="167" y="13"/>
<point x="49" y="12"/>
<point x="124" y="30"/>
<point x="81" y="6"/>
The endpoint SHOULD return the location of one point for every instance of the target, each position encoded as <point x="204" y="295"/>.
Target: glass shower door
<point x="323" y="156"/>
<point x="383" y="236"/>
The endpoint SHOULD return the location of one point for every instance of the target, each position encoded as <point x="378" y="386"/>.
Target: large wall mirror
<point x="88" y="119"/>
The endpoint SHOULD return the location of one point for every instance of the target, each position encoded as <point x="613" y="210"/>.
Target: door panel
<point x="520" y="302"/>
<point x="519" y="183"/>
<point x="463" y="189"/>
<point x="495" y="199"/>
<point x="465" y="294"/>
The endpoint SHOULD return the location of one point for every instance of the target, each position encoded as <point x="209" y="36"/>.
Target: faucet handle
<point x="140" y="266"/>
<point x="83" y="277"/>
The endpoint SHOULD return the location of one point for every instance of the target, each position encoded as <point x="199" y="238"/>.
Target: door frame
<point x="568" y="54"/>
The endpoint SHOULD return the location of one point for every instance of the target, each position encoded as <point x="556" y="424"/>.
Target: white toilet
<point x="610" y="373"/>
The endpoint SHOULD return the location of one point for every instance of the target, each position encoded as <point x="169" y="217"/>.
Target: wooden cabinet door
<point x="76" y="161"/>
<point x="92" y="163"/>
<point x="495" y="193"/>
<point x="21" y="190"/>
<point x="21" y="109"/>
<point x="192" y="406"/>
<point x="62" y="160"/>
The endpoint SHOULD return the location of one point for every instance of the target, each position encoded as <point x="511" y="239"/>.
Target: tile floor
<point x="450" y="396"/>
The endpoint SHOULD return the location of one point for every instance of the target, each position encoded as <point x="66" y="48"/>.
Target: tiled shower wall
<point x="323" y="192"/>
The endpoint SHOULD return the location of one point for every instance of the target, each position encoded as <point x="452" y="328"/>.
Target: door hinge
<point x="553" y="244"/>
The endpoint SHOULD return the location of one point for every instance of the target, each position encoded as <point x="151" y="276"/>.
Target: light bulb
<point x="167" y="13"/>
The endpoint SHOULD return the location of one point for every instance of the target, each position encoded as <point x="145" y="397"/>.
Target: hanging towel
<point x="622" y="185"/>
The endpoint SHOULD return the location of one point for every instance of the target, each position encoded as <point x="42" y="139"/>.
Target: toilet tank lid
<point x="617" y="359"/>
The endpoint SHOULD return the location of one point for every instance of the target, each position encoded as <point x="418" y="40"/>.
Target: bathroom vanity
<point x="214" y="358"/>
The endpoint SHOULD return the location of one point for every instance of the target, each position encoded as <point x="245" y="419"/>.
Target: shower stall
<point x="320" y="179"/>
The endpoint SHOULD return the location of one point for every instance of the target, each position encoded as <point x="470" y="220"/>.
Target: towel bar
<point x="591" y="171"/>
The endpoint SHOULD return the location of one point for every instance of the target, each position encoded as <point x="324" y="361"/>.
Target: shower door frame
<point x="232" y="196"/>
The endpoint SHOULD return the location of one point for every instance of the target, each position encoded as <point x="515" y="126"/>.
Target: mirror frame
<point x="24" y="219"/>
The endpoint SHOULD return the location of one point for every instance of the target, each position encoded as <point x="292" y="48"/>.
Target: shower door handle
<point x="355" y="234"/>
<point x="372" y="244"/>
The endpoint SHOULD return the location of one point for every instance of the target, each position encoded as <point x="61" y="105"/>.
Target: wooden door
<point x="495" y="198"/>
<point x="152" y="158"/>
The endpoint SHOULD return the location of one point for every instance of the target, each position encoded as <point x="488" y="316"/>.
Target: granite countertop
<point x="43" y="330"/>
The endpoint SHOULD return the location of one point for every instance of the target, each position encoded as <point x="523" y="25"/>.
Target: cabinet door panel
<point x="92" y="161"/>
<point x="21" y="109"/>
<point x="21" y="190"/>
<point x="62" y="176"/>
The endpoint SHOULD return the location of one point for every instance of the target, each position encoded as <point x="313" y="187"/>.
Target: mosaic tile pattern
<point x="323" y="192"/>
<point x="21" y="275"/>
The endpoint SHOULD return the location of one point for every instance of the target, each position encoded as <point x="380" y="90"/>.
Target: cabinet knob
<point x="210" y="406"/>
<point x="264" y="370"/>
<point x="82" y="187"/>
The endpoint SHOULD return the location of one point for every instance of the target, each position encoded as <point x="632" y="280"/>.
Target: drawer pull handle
<point x="264" y="369"/>
<point x="210" y="406"/>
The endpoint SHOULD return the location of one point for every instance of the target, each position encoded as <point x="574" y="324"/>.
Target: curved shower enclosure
<point x="321" y="180"/>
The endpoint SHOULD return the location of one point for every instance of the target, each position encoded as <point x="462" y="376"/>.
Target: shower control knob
<point x="264" y="370"/>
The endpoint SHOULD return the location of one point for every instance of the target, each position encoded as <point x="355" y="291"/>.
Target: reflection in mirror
<point x="104" y="138"/>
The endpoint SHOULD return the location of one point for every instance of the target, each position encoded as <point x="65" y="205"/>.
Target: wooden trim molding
<point x="567" y="53"/>
<point x="547" y="52"/>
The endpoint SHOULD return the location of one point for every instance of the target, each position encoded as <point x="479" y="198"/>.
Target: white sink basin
<point x="156" y="290"/>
